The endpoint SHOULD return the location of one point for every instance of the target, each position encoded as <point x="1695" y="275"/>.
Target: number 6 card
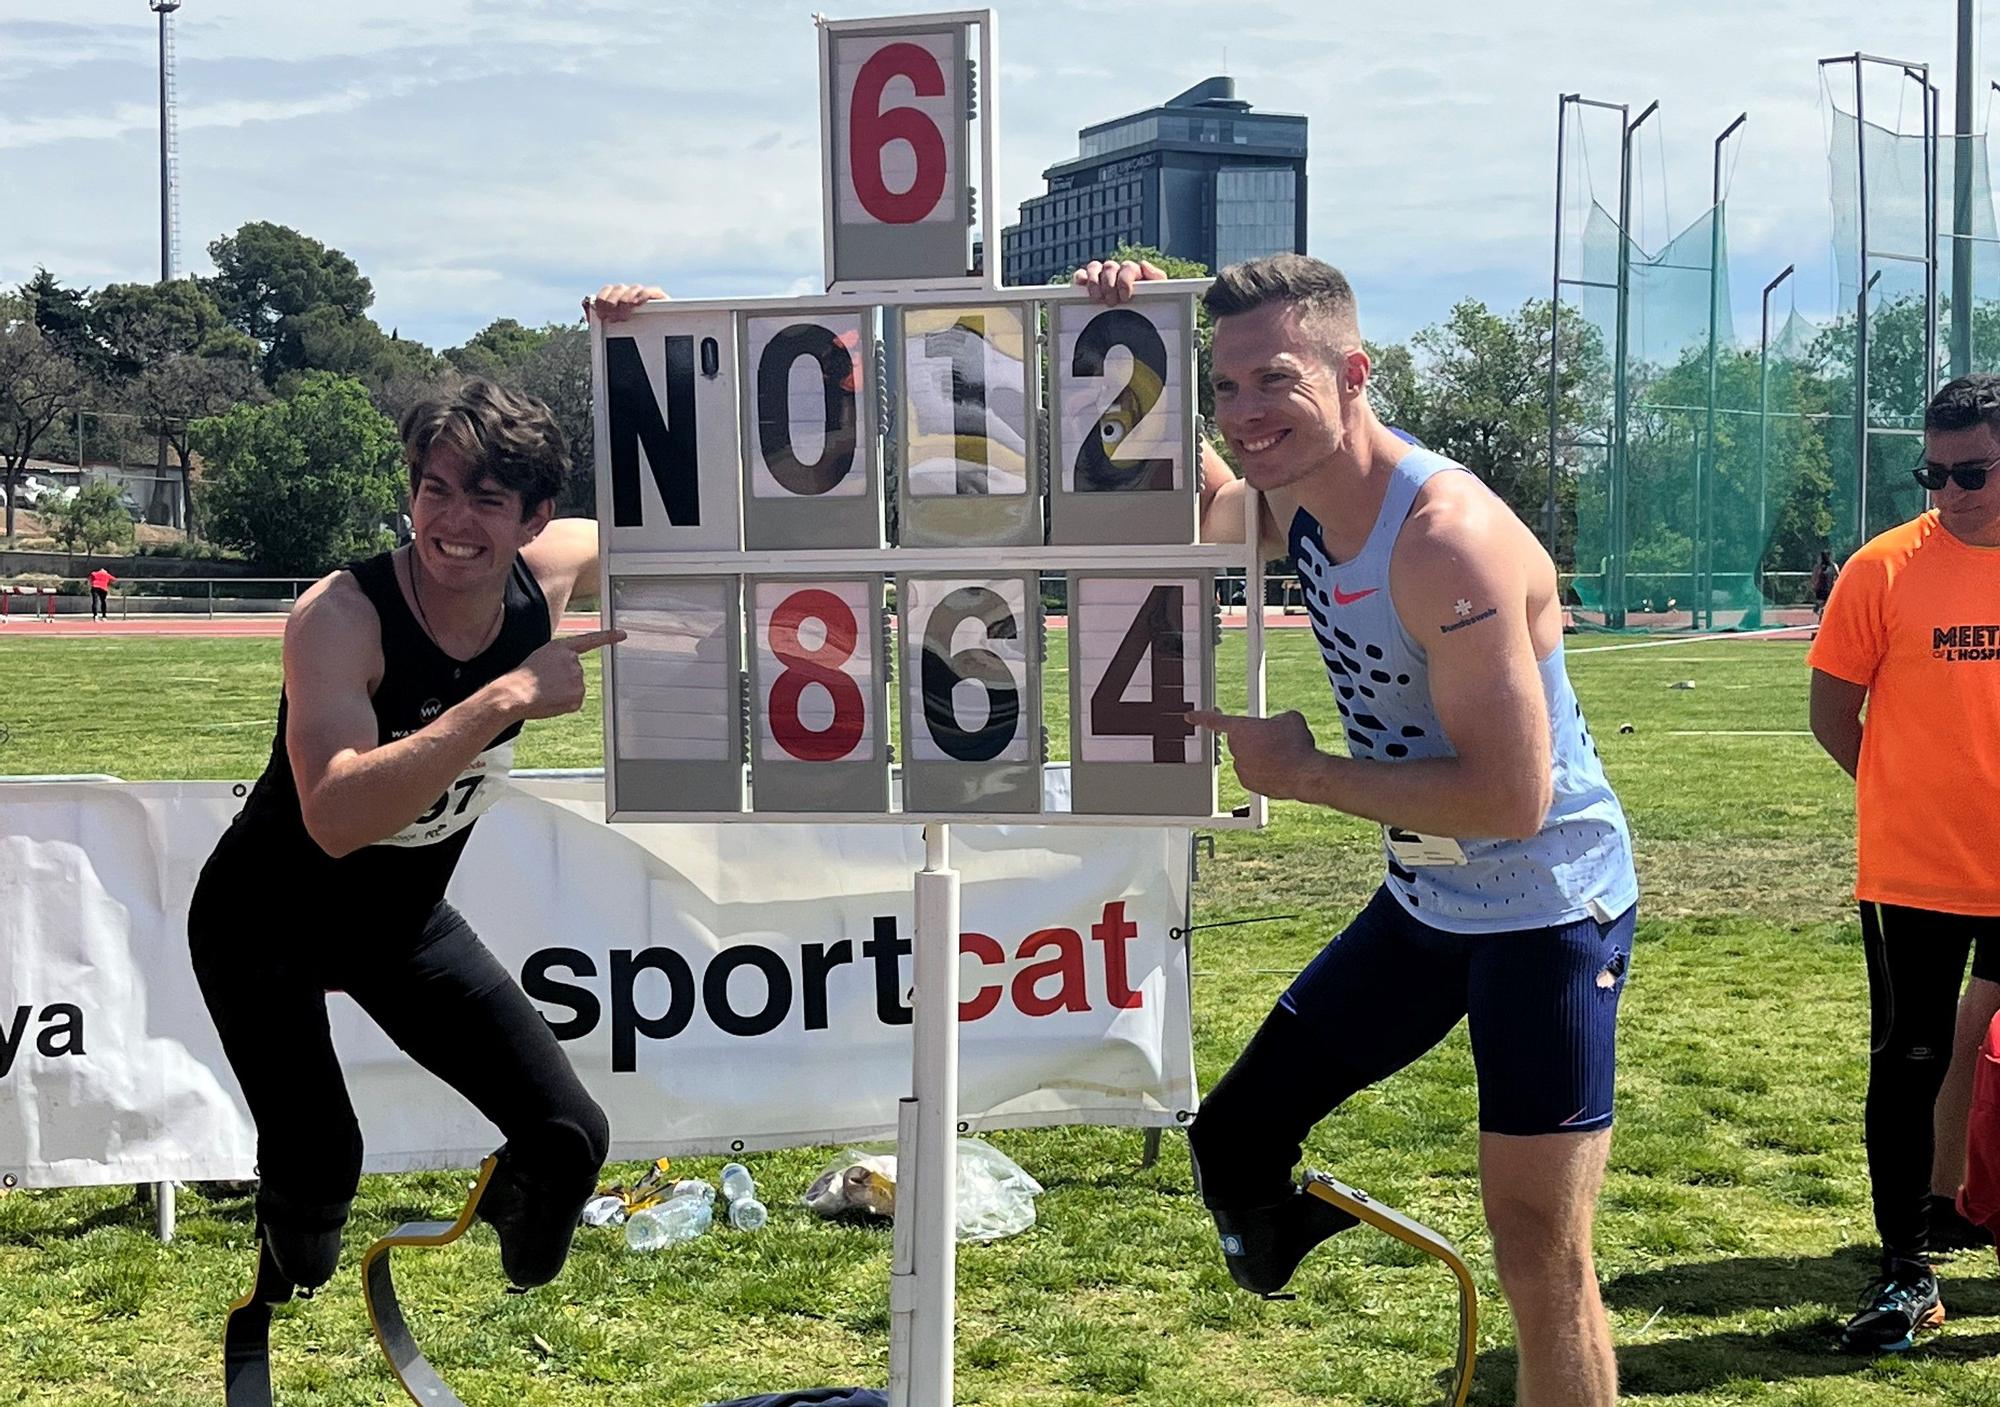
<point x="1142" y="653"/>
<point x="972" y="717"/>
<point x="895" y="133"/>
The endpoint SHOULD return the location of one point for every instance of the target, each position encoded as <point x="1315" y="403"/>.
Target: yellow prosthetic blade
<point x="1390" y="1222"/>
<point x="406" y="1360"/>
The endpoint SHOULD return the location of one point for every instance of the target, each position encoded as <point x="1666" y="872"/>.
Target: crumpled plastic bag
<point x="996" y="1195"/>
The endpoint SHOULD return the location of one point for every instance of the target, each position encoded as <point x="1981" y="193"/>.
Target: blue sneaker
<point x="1895" y="1306"/>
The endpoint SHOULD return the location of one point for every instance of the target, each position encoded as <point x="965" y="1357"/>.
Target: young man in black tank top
<point x="406" y="678"/>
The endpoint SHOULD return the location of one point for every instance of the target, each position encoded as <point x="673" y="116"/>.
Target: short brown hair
<point x="1319" y="291"/>
<point x="1968" y="401"/>
<point x="511" y="437"/>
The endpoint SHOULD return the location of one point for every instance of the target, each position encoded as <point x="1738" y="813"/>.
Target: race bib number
<point x="463" y="802"/>
<point x="1411" y="849"/>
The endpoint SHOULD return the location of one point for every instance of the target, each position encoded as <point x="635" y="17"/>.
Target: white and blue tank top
<point x="1578" y="865"/>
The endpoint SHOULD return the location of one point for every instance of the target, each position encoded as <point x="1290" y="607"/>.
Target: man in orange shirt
<point x="1912" y="630"/>
<point x="100" y="594"/>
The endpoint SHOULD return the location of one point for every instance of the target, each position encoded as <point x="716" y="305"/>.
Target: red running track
<point x="62" y="627"/>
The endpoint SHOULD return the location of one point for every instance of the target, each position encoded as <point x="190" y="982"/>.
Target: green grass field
<point x="1734" y="1235"/>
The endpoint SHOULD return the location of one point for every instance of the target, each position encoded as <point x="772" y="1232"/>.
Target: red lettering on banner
<point x="990" y="953"/>
<point x="821" y="667"/>
<point x="1056" y="954"/>
<point x="1114" y="931"/>
<point x="1067" y="964"/>
<point x="869" y="130"/>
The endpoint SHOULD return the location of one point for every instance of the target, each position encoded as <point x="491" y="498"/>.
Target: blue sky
<point x="488" y="158"/>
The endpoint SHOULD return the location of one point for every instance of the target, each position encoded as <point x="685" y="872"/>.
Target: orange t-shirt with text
<point x="1915" y="618"/>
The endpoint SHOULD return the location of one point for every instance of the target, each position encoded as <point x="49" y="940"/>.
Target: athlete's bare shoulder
<point x="334" y="627"/>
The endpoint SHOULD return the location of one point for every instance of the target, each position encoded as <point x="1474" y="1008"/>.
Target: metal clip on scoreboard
<point x="749" y="453"/>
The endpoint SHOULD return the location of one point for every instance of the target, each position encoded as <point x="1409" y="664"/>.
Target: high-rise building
<point x="1201" y="177"/>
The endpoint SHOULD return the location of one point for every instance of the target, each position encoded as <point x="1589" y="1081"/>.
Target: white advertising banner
<point x="718" y="987"/>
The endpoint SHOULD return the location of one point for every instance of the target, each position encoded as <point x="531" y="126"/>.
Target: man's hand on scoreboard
<point x="617" y="301"/>
<point x="549" y="683"/>
<point x="1274" y="756"/>
<point x="1110" y="281"/>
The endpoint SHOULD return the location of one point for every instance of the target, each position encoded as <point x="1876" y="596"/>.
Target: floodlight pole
<point x="1764" y="421"/>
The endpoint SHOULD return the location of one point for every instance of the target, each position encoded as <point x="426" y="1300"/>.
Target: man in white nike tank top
<point x="1508" y="896"/>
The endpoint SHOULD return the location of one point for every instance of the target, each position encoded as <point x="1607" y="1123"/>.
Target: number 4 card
<point x="1142" y="653"/>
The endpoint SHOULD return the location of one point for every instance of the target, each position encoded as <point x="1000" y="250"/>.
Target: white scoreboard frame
<point x="887" y="562"/>
<point x="723" y="336"/>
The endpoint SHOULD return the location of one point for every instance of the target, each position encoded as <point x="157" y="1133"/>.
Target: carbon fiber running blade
<point x="1390" y="1222"/>
<point x="385" y="1312"/>
<point x="246" y="1335"/>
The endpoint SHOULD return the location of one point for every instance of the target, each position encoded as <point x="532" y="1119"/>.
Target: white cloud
<point x="484" y="158"/>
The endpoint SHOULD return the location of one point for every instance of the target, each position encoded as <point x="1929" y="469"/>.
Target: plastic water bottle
<point x="668" y="1224"/>
<point x="603" y="1211"/>
<point x="746" y="1213"/>
<point x="693" y="1187"/>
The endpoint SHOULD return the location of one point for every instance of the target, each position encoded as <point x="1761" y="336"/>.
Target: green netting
<point x="1712" y="506"/>
<point x="1643" y="501"/>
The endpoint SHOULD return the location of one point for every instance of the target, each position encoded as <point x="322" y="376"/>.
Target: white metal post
<point x="924" y="1273"/>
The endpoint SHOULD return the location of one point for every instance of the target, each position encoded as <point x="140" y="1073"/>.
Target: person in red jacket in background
<point x="1979" y="1197"/>
<point x="100" y="594"/>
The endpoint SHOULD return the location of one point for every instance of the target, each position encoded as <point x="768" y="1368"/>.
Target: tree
<point x="94" y="518"/>
<point x="500" y="348"/>
<point x="302" y="483"/>
<point x="63" y="317"/>
<point x="557" y="373"/>
<point x="38" y="385"/>
<point x="176" y="359"/>
<point x="1394" y="388"/>
<point x="139" y="323"/>
<point x="267" y="276"/>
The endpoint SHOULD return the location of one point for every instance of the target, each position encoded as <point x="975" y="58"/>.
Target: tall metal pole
<point x="1555" y="328"/>
<point x="165" y="10"/>
<point x="1764" y="424"/>
<point x="1861" y="322"/>
<point x="1933" y="141"/>
<point x="1704" y="602"/>
<point x="1614" y="603"/>
<point x="1961" y="202"/>
<point x="166" y="194"/>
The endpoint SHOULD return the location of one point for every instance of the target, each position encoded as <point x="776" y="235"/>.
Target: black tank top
<point x="402" y="877"/>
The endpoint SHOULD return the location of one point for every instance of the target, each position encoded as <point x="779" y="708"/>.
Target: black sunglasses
<point x="1970" y="476"/>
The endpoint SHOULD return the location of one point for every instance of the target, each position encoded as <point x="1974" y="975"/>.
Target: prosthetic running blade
<point x="1390" y="1222"/>
<point x="246" y="1334"/>
<point x="385" y="1313"/>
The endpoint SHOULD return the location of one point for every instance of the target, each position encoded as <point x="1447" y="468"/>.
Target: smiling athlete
<point x="1509" y="897"/>
<point x="407" y="677"/>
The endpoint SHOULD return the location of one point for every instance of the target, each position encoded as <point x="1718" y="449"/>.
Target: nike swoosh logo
<point x="1341" y="598"/>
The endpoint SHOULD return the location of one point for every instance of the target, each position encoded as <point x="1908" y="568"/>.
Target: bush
<point x="37" y="544"/>
<point x="33" y="579"/>
<point x="191" y="549"/>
